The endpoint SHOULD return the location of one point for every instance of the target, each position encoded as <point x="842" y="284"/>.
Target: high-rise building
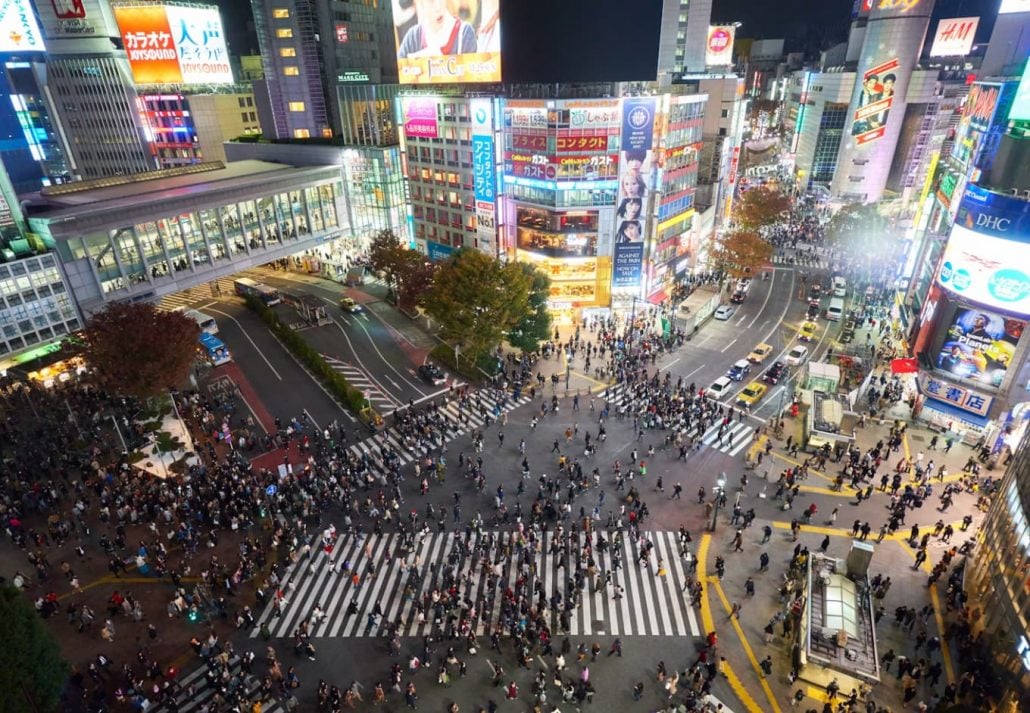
<point x="684" y="31"/>
<point x="891" y="45"/>
<point x="92" y="94"/>
<point x="309" y="48"/>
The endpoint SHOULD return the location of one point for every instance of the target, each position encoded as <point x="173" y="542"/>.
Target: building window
<point x="284" y="33"/>
<point x="301" y="134"/>
<point x="281" y="13"/>
<point x="296" y="106"/>
<point x="287" y="52"/>
<point x="291" y="70"/>
<point x="241" y="102"/>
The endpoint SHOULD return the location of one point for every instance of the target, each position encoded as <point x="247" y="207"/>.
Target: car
<point x="816" y="292"/>
<point x="719" y="387"/>
<point x="725" y="312"/>
<point x="807" y="331"/>
<point x="743" y="285"/>
<point x="738" y="297"/>
<point x="797" y="355"/>
<point x="752" y="393"/>
<point x="432" y="374"/>
<point x="760" y="353"/>
<point x="813" y="309"/>
<point x="774" y="373"/>
<point x="738" y="370"/>
<point x="349" y="305"/>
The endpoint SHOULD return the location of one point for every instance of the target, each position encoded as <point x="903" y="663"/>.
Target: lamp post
<point x="720" y="490"/>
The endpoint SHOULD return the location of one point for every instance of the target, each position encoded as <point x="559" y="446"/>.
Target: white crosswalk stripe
<point x="651" y="605"/>
<point x="204" y="691"/>
<point x="809" y="261"/>
<point x="200" y="294"/>
<point x="735" y="437"/>
<point x="358" y="378"/>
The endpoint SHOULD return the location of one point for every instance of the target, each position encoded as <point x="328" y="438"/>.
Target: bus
<point x="214" y="349"/>
<point x="246" y="286"/>
<point x="206" y="322"/>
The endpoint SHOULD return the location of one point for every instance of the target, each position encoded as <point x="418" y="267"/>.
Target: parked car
<point x="725" y="312"/>
<point x="738" y="370"/>
<point x="349" y="305"/>
<point x="797" y="355"/>
<point x="760" y="353"/>
<point x="432" y="374"/>
<point x="752" y="393"/>
<point x="774" y="373"/>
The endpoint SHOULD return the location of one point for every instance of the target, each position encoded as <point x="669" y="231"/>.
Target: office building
<point x="683" y="34"/>
<point x="33" y="152"/>
<point x="311" y="47"/>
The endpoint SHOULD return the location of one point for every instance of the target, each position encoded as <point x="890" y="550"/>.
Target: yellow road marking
<point x="797" y="463"/>
<point x="709" y="625"/>
<point x="937" y="615"/>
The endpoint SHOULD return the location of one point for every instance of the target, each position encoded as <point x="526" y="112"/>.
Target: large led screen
<point x="979" y="345"/>
<point x="987" y="270"/>
<point x="447" y="41"/>
<point x="171" y="44"/>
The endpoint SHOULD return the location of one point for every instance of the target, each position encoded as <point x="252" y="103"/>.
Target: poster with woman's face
<point x="634" y="175"/>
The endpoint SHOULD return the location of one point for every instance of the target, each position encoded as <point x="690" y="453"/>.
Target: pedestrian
<point x="616" y="648"/>
<point x="749" y="587"/>
<point x="766" y="665"/>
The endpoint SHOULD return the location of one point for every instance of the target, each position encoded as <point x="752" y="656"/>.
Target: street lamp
<point x="720" y="489"/>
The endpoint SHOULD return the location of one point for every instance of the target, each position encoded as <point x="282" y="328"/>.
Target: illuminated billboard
<point x="989" y="271"/>
<point x="954" y="37"/>
<point x="719" y="48"/>
<point x="876" y="95"/>
<point x="419" y="117"/>
<point x="18" y="29"/>
<point x="1020" y="110"/>
<point x="172" y="44"/>
<point x="441" y="42"/>
<point x="636" y="168"/>
<point x="75" y="18"/>
<point x="979" y="345"/>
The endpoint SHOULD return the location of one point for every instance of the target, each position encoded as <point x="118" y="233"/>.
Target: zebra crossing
<point x="735" y="438"/>
<point x="196" y="691"/>
<point x="652" y="604"/>
<point x="457" y="421"/>
<point x="810" y="260"/>
<point x="198" y="294"/>
<point x="359" y="378"/>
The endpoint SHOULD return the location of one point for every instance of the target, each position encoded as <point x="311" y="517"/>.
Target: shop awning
<point x="904" y="366"/>
<point x="658" y="297"/>
<point x="956" y="414"/>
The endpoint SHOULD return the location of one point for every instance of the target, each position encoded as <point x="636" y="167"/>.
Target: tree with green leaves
<point x="135" y="349"/>
<point x="759" y="207"/>
<point x="535" y="325"/>
<point x="477" y="300"/>
<point x="32" y="672"/>
<point x="741" y="253"/>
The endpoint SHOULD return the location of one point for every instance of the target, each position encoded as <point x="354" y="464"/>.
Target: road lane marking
<point x="256" y="348"/>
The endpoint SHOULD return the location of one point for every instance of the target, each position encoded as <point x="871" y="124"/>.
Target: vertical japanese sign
<point x="200" y="44"/>
<point x="484" y="171"/>
<point x="636" y="164"/>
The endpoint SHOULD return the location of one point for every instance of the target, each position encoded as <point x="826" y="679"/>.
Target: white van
<point x="719" y="388"/>
<point x="840" y="287"/>
<point x="836" y="309"/>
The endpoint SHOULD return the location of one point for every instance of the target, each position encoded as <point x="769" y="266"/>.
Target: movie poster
<point x="876" y="95"/>
<point x="979" y="345"/>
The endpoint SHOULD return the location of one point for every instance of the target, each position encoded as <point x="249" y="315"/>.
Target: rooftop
<point x="841" y="630"/>
<point x="158" y="187"/>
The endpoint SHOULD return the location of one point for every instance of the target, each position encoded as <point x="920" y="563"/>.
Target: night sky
<point x="583" y="40"/>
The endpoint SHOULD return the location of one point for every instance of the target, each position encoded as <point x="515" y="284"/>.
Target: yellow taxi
<point x="760" y="353"/>
<point x="807" y="331"/>
<point x="752" y="393"/>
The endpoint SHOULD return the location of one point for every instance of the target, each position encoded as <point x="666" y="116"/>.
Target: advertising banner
<point x="628" y="263"/>
<point x="168" y="44"/>
<point x="18" y="29"/>
<point x="719" y="48"/>
<point x="1020" y="110"/>
<point x="981" y="104"/>
<point x="569" y="143"/>
<point x="483" y="168"/>
<point x="561" y="270"/>
<point x="435" y="45"/>
<point x="75" y="18"/>
<point x="954" y="37"/>
<point x="573" y="291"/>
<point x="965" y="399"/>
<point x="527" y="165"/>
<point x="990" y="271"/>
<point x="979" y="345"/>
<point x="420" y="117"/>
<point x="876" y="95"/>
<point x="637" y="123"/>
<point x="594" y="117"/>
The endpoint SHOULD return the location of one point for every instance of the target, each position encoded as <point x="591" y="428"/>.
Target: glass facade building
<point x="36" y="305"/>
